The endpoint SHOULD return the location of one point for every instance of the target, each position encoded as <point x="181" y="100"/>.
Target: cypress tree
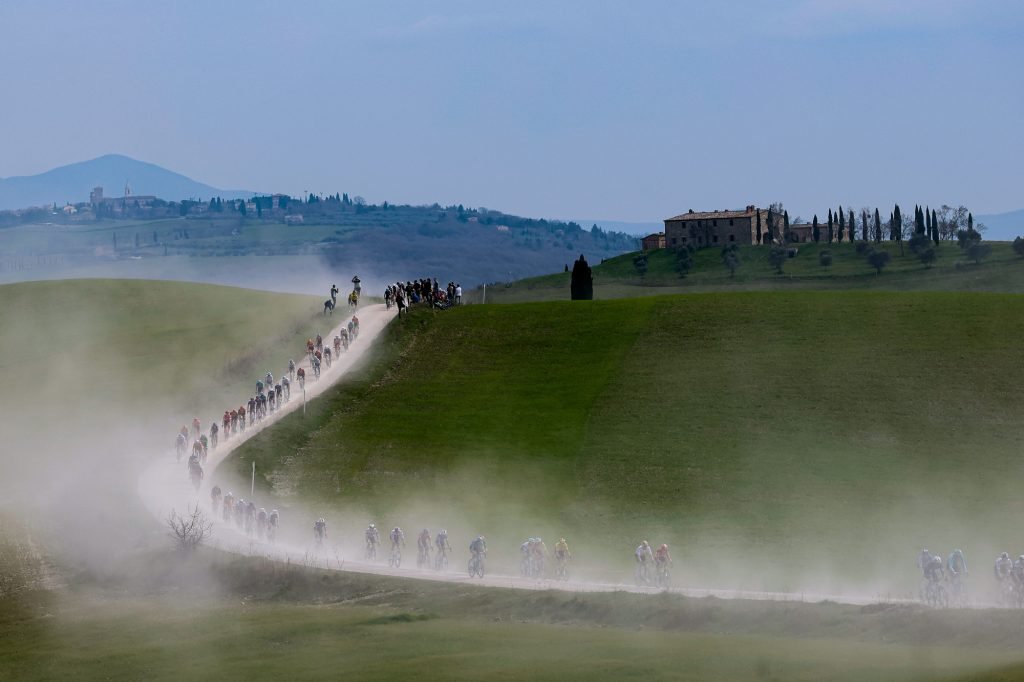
<point x="581" y="287"/>
<point x="970" y="223"/>
<point x="830" y="221"/>
<point x="758" y="226"/>
<point x="897" y="224"/>
<point x="853" y="227"/>
<point x="878" y="227"/>
<point x="935" y="228"/>
<point x="815" y="230"/>
<point x="842" y="225"/>
<point x="864" y="225"/>
<point x="771" y="226"/>
<point x="785" y="227"/>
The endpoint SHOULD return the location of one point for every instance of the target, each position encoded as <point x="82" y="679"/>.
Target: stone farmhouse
<point x="653" y="241"/>
<point x="721" y="228"/>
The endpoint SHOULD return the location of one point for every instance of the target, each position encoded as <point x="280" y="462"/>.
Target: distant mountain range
<point x="72" y="183"/>
<point x="1003" y="226"/>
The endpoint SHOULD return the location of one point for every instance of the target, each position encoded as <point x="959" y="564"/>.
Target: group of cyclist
<point x="653" y="566"/>
<point x="426" y="543"/>
<point x="943" y="582"/>
<point x="247" y="517"/>
<point x="269" y="398"/>
<point x="1009" y="574"/>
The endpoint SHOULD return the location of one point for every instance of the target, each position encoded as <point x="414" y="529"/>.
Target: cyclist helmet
<point x="444" y="532"/>
<point x="1004" y="555"/>
<point x="664" y="546"/>
<point x="372" y="526"/>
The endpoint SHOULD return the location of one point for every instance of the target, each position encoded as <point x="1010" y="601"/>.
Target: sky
<point x="631" y="111"/>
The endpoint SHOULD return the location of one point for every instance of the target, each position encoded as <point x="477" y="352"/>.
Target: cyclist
<point x="197" y="427"/>
<point x="286" y="388"/>
<point x="229" y="506"/>
<point x="644" y="555"/>
<point x="372" y="538"/>
<point x="215" y="498"/>
<point x="250" y="517"/>
<point x="478" y="547"/>
<point x="562" y="553"/>
<point x="291" y="368"/>
<point x="957" y="564"/>
<point x="1018" y="571"/>
<point x="259" y="387"/>
<point x="320" y="530"/>
<point x="270" y="380"/>
<point x="923" y="559"/>
<point x="1003" y="567"/>
<point x="538" y="554"/>
<point x="261" y="523"/>
<point x="301" y="376"/>
<point x="397" y="538"/>
<point x="272" y="523"/>
<point x="525" y="550"/>
<point x="423" y="545"/>
<point x="180" y="445"/>
<point x="239" y="512"/>
<point x="441" y="542"/>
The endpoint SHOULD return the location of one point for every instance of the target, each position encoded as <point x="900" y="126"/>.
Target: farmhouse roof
<point x="714" y="215"/>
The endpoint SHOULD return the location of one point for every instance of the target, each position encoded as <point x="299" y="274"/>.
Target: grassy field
<point x="534" y="418"/>
<point x="103" y="373"/>
<point x="244" y="619"/>
<point x="141" y="346"/>
<point x="1002" y="271"/>
<point x="831" y="435"/>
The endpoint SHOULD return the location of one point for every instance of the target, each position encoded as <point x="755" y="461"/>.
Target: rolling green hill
<point x="618" y="277"/>
<point x="830" y="435"/>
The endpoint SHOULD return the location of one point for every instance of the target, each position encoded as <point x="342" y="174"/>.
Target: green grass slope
<point x="617" y="277"/>
<point x="130" y="341"/>
<point x="829" y="435"/>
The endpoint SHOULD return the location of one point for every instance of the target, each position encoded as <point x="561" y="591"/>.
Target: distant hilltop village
<point x="751" y="225"/>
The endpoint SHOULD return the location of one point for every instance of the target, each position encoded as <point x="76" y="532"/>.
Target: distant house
<point x="653" y="241"/>
<point x="720" y="228"/>
<point x="294" y="219"/>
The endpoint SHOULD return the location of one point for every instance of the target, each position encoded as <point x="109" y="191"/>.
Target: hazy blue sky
<point x="616" y="110"/>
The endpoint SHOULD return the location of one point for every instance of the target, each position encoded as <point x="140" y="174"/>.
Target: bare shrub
<point x="189" y="529"/>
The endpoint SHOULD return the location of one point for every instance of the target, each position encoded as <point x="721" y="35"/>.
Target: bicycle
<point x="958" y="591"/>
<point x="371" y="551"/>
<point x="642" y="573"/>
<point x="395" y="560"/>
<point x="441" y="560"/>
<point x="663" y="575"/>
<point x="935" y="595"/>
<point x="423" y="557"/>
<point x="562" y="568"/>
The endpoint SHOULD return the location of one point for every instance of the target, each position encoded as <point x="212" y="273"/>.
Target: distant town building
<point x="653" y="241"/>
<point x="96" y="196"/>
<point x="721" y="228"/>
